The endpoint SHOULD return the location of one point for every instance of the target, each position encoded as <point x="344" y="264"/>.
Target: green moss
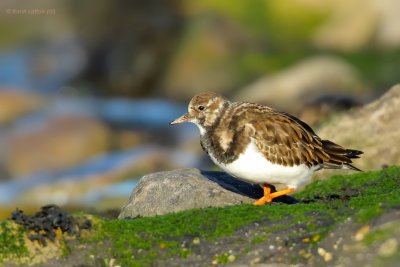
<point x="370" y="193"/>
<point x="377" y="235"/>
<point x="224" y="258"/>
<point x="364" y="194"/>
<point x="259" y="239"/>
<point x="11" y="241"/>
<point x="157" y="238"/>
<point x="146" y="241"/>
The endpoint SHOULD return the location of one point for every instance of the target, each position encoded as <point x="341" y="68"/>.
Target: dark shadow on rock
<point x="240" y="187"/>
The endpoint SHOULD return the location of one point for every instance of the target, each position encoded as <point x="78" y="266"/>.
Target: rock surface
<point x="374" y="129"/>
<point x="178" y="190"/>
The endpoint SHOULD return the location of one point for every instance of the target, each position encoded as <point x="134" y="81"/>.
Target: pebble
<point x="112" y="263"/>
<point x="388" y="248"/>
<point x="255" y="261"/>
<point x="328" y="256"/>
<point x="359" y="236"/>
<point x="321" y="251"/>
<point x="196" y="241"/>
<point x="305" y="254"/>
<point x="324" y="254"/>
<point x="316" y="238"/>
<point x="337" y="243"/>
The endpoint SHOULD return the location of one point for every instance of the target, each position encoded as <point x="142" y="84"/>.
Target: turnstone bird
<point x="262" y="145"/>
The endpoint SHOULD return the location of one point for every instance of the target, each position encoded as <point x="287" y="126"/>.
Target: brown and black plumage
<point x="262" y="145"/>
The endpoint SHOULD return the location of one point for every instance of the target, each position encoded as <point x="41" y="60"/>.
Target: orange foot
<point x="268" y="196"/>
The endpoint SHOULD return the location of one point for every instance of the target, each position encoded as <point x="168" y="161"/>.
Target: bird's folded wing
<point x="284" y="139"/>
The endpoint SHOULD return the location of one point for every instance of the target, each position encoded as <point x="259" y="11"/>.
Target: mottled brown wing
<point x="286" y="140"/>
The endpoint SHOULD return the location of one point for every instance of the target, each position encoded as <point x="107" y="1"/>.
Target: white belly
<point x="253" y="167"/>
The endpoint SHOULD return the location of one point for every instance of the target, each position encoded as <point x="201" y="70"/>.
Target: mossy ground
<point x="283" y="233"/>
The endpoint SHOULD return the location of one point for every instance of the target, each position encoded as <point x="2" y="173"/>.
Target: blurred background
<point x="87" y="88"/>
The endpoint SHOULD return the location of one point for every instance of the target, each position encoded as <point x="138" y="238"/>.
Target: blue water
<point x="14" y="70"/>
<point x="140" y="113"/>
<point x="10" y="190"/>
<point x="120" y="189"/>
<point x="152" y="115"/>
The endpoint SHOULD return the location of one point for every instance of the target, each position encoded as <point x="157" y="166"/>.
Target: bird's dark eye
<point x="201" y="107"/>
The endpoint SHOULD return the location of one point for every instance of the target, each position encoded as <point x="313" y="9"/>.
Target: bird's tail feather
<point x="340" y="157"/>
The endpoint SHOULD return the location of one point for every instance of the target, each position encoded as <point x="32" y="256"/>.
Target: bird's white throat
<point x="201" y="128"/>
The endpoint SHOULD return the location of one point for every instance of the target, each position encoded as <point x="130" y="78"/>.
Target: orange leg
<point x="268" y="196"/>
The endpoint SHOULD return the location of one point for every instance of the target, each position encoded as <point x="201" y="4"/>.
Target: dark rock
<point x="46" y="221"/>
<point x="320" y="107"/>
<point x="127" y="43"/>
<point x="178" y="190"/>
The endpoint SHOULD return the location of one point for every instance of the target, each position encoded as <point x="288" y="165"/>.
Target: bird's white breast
<point x="253" y="167"/>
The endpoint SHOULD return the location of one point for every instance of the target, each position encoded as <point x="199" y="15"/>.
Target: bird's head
<point x="203" y="110"/>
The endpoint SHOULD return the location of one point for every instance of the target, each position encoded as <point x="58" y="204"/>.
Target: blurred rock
<point x="173" y="191"/>
<point x="299" y="84"/>
<point x="126" y="139"/>
<point x="16" y="103"/>
<point x="102" y="178"/>
<point x="374" y="129"/>
<point x="388" y="35"/>
<point x="58" y="143"/>
<point x="359" y="23"/>
<point x="351" y="26"/>
<point x="127" y="43"/>
<point x="204" y="61"/>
